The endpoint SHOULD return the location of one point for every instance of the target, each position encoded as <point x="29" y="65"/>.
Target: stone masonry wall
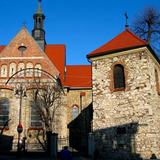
<point x="136" y="109"/>
<point x="60" y="123"/>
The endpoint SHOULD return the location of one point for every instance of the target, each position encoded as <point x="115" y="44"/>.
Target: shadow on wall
<point x="117" y="142"/>
<point x="79" y="129"/>
<point x="6" y="143"/>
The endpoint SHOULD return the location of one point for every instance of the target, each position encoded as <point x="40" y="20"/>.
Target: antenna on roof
<point x="126" y="17"/>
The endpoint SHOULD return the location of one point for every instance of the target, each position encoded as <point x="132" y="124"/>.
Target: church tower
<point x="38" y="32"/>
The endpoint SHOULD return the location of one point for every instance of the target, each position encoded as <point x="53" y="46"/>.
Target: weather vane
<point x="126" y="16"/>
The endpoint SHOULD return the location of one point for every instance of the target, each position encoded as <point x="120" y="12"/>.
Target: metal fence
<point x="62" y="141"/>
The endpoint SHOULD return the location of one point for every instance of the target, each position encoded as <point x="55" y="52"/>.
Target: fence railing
<point x="62" y="141"/>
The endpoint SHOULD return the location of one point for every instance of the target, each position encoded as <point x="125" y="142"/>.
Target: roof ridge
<point x="125" y="39"/>
<point x="138" y="38"/>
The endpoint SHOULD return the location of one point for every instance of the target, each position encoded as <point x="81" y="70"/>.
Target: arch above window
<point x="12" y="69"/>
<point x="4" y="71"/>
<point x="29" y="72"/>
<point x="119" y="77"/>
<point x="38" y="68"/>
<point x="75" y="111"/>
<point x="21" y="66"/>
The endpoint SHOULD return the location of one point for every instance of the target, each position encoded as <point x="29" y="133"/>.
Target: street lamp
<point x="20" y="91"/>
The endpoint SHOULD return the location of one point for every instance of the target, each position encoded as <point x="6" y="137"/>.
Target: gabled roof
<point x="33" y="51"/>
<point x="78" y="76"/>
<point x="125" y="40"/>
<point x="57" y="54"/>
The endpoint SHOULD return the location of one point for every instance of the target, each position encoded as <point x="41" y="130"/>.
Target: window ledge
<point x="118" y="89"/>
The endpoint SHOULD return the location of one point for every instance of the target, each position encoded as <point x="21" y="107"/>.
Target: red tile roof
<point x="57" y="54"/>
<point x="1" y="48"/>
<point x="124" y="40"/>
<point x="78" y="76"/>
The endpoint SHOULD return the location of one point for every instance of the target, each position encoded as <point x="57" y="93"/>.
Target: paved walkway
<point x="35" y="158"/>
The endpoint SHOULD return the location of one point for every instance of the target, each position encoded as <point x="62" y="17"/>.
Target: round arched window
<point x="75" y="111"/>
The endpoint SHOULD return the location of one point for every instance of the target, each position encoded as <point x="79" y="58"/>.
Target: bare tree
<point x="147" y="27"/>
<point x="46" y="93"/>
<point x="47" y="98"/>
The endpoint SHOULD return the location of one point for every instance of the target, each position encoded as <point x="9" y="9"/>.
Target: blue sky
<point x="82" y="25"/>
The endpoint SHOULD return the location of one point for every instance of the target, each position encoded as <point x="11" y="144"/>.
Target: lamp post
<point x="21" y="92"/>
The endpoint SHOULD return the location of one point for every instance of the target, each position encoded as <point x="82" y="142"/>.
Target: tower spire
<point x="39" y="9"/>
<point x="38" y="31"/>
<point x="126" y="17"/>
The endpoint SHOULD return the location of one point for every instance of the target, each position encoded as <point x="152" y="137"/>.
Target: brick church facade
<point x="76" y="81"/>
<point x="121" y="86"/>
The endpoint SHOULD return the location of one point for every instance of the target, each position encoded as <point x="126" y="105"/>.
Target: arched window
<point x="29" y="71"/>
<point x="75" y="111"/>
<point x="38" y="70"/>
<point x="119" y="77"/>
<point x="36" y="121"/>
<point x="157" y="81"/>
<point x="12" y="69"/>
<point x="4" y="112"/>
<point x="4" y="71"/>
<point x="21" y="66"/>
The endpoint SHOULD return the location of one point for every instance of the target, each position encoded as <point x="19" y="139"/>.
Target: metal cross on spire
<point x="126" y="17"/>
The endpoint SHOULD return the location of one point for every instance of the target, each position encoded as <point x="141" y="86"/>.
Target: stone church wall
<point x="62" y="118"/>
<point x="126" y="122"/>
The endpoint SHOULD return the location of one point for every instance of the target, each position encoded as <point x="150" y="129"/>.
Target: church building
<point x="125" y="79"/>
<point x="27" y="51"/>
<point x="116" y="98"/>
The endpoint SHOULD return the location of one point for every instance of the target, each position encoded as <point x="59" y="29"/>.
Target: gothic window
<point x="157" y="81"/>
<point x="119" y="77"/>
<point x="21" y="66"/>
<point x="4" y="71"/>
<point x="38" y="70"/>
<point x="30" y="70"/>
<point x="12" y="69"/>
<point x="36" y="121"/>
<point x="4" y="112"/>
<point x="75" y="111"/>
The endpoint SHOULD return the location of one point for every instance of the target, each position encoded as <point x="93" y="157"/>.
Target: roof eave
<point x="70" y="87"/>
<point x="114" y="51"/>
